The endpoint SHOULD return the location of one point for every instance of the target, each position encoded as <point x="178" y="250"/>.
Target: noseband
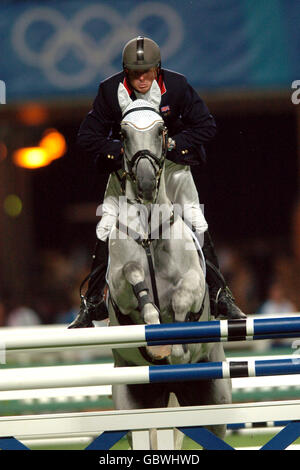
<point x="150" y="157"/>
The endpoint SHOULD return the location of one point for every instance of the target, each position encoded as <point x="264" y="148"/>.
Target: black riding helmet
<point x="141" y="54"/>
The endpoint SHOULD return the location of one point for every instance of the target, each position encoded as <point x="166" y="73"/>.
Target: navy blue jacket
<point x="186" y="116"/>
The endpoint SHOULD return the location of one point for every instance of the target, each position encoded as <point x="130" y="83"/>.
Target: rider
<point x="189" y="124"/>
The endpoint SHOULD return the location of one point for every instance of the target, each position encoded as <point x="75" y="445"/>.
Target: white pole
<point x="71" y="376"/>
<point x="113" y="336"/>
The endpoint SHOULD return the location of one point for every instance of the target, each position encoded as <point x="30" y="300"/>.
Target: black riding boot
<point x="222" y="302"/>
<point x="92" y="305"/>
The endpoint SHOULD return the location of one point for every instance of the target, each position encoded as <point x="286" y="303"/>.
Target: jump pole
<point x="88" y="375"/>
<point x="142" y="335"/>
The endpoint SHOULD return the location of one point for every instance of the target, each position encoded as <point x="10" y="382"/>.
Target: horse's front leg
<point x="187" y="297"/>
<point x="134" y="274"/>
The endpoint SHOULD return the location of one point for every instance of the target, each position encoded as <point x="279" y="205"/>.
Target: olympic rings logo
<point x="95" y="55"/>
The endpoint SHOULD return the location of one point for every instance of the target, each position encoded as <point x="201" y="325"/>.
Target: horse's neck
<point x="162" y="204"/>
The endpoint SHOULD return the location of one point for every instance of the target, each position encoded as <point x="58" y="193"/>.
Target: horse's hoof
<point x="159" y="352"/>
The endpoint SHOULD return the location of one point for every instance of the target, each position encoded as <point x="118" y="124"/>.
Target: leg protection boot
<point x="221" y="299"/>
<point x="92" y="305"/>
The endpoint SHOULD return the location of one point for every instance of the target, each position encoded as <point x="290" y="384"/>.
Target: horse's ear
<point x="123" y="97"/>
<point x="155" y="95"/>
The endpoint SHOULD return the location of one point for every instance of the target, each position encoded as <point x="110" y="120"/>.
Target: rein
<point x="145" y="154"/>
<point x="153" y="159"/>
<point x="146" y="243"/>
<point x="135" y="159"/>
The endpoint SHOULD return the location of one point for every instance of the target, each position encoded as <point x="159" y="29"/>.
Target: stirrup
<point x="88" y="304"/>
<point x="94" y="309"/>
<point x="226" y="306"/>
<point x="227" y="293"/>
<point x="214" y="300"/>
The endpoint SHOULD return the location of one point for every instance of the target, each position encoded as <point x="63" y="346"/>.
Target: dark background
<point x="248" y="185"/>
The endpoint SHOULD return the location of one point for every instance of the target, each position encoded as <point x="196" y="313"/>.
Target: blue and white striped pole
<point x="223" y="330"/>
<point x="89" y="375"/>
<point x="143" y="335"/>
<point x="223" y="370"/>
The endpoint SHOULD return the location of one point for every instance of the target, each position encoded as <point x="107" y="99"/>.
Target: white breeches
<point x="181" y="190"/>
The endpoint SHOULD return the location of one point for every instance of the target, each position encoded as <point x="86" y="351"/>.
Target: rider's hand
<point x="171" y="144"/>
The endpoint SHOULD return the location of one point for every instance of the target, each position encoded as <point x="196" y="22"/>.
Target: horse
<point x="156" y="272"/>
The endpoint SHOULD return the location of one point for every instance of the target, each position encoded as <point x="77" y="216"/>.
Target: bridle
<point x="140" y="154"/>
<point x="156" y="162"/>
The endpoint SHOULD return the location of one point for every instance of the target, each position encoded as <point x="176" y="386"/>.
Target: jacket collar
<point x="160" y="82"/>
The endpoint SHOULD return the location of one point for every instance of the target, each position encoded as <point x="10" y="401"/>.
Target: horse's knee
<point x="181" y="303"/>
<point x="188" y="294"/>
<point x="133" y="272"/>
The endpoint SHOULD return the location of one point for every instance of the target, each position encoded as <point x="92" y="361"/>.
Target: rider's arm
<point x="198" y="125"/>
<point x="94" y="135"/>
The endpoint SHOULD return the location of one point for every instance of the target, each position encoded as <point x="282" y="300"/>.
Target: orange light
<point x="53" y="142"/>
<point x="31" y="157"/>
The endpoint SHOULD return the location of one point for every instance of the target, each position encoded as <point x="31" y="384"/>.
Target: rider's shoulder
<point x="175" y="78"/>
<point x="112" y="81"/>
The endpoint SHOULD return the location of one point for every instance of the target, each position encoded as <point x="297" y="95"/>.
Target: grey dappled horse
<point x="179" y="290"/>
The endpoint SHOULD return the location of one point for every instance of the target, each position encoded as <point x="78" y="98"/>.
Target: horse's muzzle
<point x="146" y="175"/>
<point x="146" y="188"/>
